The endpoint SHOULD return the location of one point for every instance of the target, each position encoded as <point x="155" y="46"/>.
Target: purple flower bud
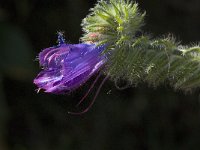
<point x="68" y="66"/>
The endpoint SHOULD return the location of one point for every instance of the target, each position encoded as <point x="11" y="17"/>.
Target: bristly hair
<point x="136" y="58"/>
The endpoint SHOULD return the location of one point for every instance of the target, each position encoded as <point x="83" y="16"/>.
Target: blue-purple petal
<point x="68" y="66"/>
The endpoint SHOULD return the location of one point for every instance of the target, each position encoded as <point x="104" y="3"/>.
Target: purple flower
<point x="68" y="66"/>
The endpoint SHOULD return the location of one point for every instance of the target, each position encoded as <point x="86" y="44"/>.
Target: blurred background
<point x="139" y="118"/>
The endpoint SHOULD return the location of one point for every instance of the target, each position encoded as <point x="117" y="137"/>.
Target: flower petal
<point x="68" y="66"/>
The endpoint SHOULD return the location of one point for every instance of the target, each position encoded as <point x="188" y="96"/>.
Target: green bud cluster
<point x="138" y="58"/>
<point x="115" y="21"/>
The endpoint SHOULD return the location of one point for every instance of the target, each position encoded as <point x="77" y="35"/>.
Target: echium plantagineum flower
<point x="114" y="25"/>
<point x="67" y="66"/>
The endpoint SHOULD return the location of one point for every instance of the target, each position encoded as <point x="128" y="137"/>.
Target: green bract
<point x="138" y="58"/>
<point x="114" y="22"/>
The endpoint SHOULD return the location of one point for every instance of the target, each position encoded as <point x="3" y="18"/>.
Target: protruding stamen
<point x="61" y="39"/>
<point x="89" y="90"/>
<point x="92" y="102"/>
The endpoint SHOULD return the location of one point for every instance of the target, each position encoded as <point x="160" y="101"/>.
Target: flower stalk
<point x="139" y="58"/>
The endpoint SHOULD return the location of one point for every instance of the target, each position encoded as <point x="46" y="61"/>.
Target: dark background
<point x="139" y="118"/>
